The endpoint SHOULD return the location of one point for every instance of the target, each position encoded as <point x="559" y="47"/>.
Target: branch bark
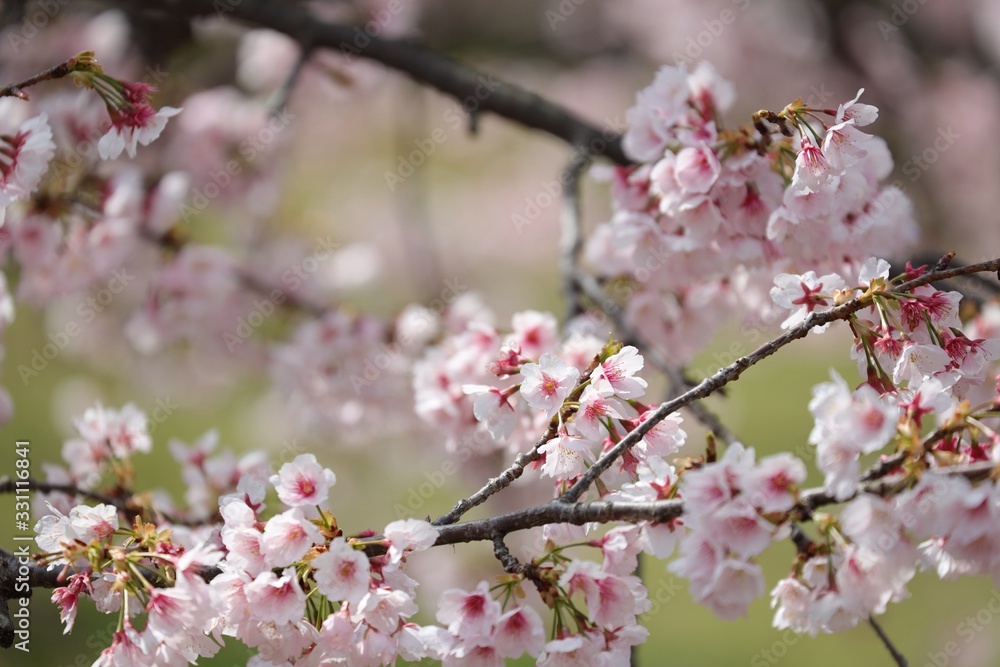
<point x="478" y="91"/>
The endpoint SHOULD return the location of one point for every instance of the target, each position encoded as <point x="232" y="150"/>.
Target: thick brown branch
<point x="477" y="91"/>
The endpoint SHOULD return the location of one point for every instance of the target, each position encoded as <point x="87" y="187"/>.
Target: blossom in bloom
<point x="384" y="609"/>
<point x="535" y="332"/>
<point x="124" y="431"/>
<point x="873" y="271"/>
<point x="409" y="535"/>
<point x="697" y="169"/>
<point x="303" y="481"/>
<point x="847" y="425"/>
<point x="58" y="532"/>
<point x="616" y="375"/>
<point x="66" y="597"/>
<point x="519" y="631"/>
<point x="134" y="121"/>
<point x="594" y="407"/>
<point x="610" y="601"/>
<point x="342" y="572"/>
<point x="813" y="171"/>
<point x="24" y="159"/>
<point x="279" y="600"/>
<point x="804" y="294"/>
<point x="469" y="615"/>
<point x="566" y="456"/>
<point x="493" y="409"/>
<point x="768" y="485"/>
<point x="287" y="537"/>
<point x="665" y="438"/>
<point x="862" y="114"/>
<point x="919" y="362"/>
<point x="547" y="383"/>
<point x="570" y="651"/>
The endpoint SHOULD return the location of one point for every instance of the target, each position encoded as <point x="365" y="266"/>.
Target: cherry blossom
<point x="24" y="158"/>
<point x="616" y="374"/>
<point x="407" y="536"/>
<point x="276" y="599"/>
<point x="342" y="572"/>
<point x="133" y="119"/>
<point x="303" y="482"/>
<point x="548" y="383"/>
<point x="469" y="615"/>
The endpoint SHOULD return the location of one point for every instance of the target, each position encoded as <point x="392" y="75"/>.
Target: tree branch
<point x="733" y="371"/>
<point x="477" y="91"/>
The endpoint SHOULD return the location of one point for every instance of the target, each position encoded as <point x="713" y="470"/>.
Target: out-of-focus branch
<point x="478" y="90"/>
<point x="9" y="485"/>
<point x="571" y="236"/>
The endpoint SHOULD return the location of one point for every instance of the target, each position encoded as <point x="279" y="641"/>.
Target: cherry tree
<point x="785" y="216"/>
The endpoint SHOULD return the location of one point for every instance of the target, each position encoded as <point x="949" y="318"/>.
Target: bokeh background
<point x="932" y="67"/>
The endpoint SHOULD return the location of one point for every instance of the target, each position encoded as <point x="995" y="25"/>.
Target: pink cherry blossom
<point x="566" y="456"/>
<point x="133" y="119"/>
<point x="813" y="172"/>
<point x="24" y="159"/>
<point x="342" y="572"/>
<point x="287" y="537"/>
<point x="616" y="375"/>
<point x="805" y="294"/>
<point x="610" y="602"/>
<point x="469" y="615"/>
<point x="769" y="484"/>
<point x="407" y="536"/>
<point x="519" y="631"/>
<point x="862" y="114"/>
<point x="303" y="481"/>
<point x="535" y="333"/>
<point x="493" y="409"/>
<point x="279" y="600"/>
<point x="384" y="609"/>
<point x="594" y="407"/>
<point x="665" y="438"/>
<point x="66" y="597"/>
<point x="547" y="383"/>
<point x="697" y="169"/>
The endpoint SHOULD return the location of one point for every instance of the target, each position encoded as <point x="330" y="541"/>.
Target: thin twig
<point x="893" y="651"/>
<point x="284" y="94"/>
<point x="57" y="72"/>
<point x="724" y="376"/>
<point x="589" y="286"/>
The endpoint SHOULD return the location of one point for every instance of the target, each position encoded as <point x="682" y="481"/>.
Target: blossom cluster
<point x="710" y="215"/>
